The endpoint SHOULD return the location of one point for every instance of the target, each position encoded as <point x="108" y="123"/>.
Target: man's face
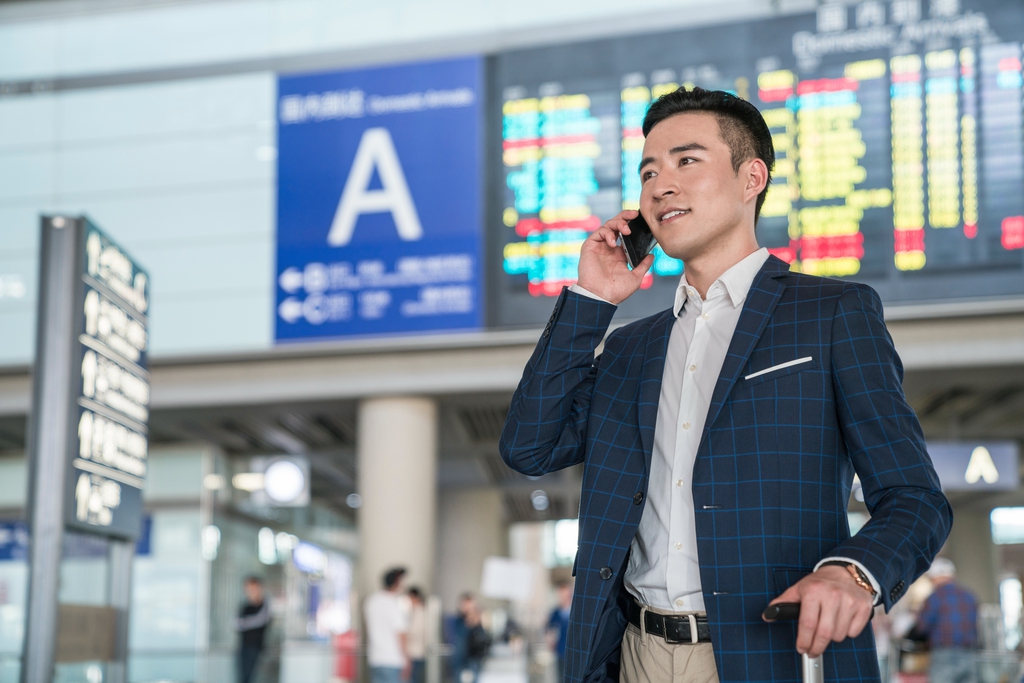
<point x="690" y="195"/>
<point x="253" y="592"/>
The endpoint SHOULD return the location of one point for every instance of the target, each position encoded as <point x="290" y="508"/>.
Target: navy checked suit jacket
<point x="773" y="473"/>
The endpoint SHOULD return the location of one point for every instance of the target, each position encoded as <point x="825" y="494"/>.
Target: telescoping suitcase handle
<point x="790" y="611"/>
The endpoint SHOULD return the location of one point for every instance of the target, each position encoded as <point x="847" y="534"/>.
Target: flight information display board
<point x="898" y="128"/>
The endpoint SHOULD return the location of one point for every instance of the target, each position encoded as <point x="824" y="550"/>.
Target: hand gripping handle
<point x="790" y="611"/>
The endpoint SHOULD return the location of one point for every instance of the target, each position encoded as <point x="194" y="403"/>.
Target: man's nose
<point x="664" y="186"/>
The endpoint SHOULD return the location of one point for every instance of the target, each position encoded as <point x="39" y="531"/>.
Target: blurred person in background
<point x="471" y="641"/>
<point x="558" y="627"/>
<point x="386" y="614"/>
<point x="253" y="620"/>
<point x="416" y="643"/>
<point x="950" y="620"/>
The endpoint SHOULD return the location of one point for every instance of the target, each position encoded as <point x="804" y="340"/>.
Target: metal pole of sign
<point x="48" y="440"/>
<point x="121" y="554"/>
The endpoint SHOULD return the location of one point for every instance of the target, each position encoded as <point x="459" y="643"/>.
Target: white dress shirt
<point x="663" y="570"/>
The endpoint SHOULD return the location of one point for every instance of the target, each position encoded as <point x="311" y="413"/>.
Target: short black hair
<point x="252" y="578"/>
<point x="393" y="576"/>
<point x="415" y="592"/>
<point x="739" y="122"/>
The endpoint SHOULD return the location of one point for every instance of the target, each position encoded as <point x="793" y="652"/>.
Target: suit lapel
<point x="650" y="381"/>
<point x="764" y="294"/>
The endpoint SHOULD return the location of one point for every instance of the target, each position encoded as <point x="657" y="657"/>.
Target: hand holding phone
<point x="604" y="267"/>
<point x="639" y="242"/>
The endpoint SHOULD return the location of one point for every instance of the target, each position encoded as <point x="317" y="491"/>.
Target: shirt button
<point x="679" y="546"/>
<point x="679" y="482"/>
<point x="686" y="425"/>
<point x="693" y="368"/>
<point x="705" y="316"/>
<point x="679" y="602"/>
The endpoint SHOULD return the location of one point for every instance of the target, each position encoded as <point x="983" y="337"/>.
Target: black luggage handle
<point x="782" y="611"/>
<point x="790" y="611"/>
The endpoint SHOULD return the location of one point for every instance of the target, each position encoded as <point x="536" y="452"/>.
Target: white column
<point x="397" y="480"/>
<point x="471" y="527"/>
<point x="976" y="557"/>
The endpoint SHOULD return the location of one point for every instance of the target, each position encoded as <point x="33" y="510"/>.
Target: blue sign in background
<point x="14" y="539"/>
<point x="384" y="278"/>
<point x="996" y="468"/>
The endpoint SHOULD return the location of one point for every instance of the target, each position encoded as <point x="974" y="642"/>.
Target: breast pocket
<point x="758" y="375"/>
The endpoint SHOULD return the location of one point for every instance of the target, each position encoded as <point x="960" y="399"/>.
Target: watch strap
<point x="858" y="575"/>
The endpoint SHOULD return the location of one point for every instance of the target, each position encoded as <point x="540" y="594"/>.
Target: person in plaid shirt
<point x="950" y="618"/>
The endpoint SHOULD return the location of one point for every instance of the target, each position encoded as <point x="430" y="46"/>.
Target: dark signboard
<point x="109" y="437"/>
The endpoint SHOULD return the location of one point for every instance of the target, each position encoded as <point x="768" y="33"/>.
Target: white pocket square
<point x="780" y="366"/>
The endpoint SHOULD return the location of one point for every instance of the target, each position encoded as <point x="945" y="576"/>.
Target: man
<point x="471" y="642"/>
<point x="720" y="437"/>
<point x="558" y="627"/>
<point x="950" y="618"/>
<point x="386" y="614"/>
<point x="253" y="620"/>
<point x="416" y="641"/>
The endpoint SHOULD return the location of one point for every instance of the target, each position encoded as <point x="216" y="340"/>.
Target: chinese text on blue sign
<point x="379" y="190"/>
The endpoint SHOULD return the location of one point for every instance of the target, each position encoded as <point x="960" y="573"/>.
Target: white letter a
<point x="981" y="466"/>
<point x="376" y="150"/>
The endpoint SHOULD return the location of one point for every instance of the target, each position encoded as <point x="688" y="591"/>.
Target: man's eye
<point x="685" y="161"/>
<point x="646" y="175"/>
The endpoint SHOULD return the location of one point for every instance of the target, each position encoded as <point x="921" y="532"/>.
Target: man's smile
<point x="672" y="214"/>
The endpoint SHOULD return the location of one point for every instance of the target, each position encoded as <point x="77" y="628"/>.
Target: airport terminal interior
<point x="318" y="241"/>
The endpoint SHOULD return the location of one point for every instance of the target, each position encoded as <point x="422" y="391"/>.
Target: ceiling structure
<point x="325" y="432"/>
<point x="976" y="403"/>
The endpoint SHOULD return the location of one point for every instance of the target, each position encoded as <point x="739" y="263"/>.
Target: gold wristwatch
<point x="858" y="575"/>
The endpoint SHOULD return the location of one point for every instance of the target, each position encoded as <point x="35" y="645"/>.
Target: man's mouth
<point x="674" y="213"/>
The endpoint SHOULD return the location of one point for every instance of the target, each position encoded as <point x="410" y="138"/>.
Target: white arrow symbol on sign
<point x="291" y="280"/>
<point x="291" y="308"/>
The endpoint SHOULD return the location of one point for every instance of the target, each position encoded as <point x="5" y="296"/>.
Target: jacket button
<point x="638" y="498"/>
<point x="606" y="573"/>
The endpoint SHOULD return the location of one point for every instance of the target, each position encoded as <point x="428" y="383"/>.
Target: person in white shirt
<point x="386" y="615"/>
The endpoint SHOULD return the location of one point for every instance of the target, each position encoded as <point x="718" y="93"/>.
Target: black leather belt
<point x="674" y="628"/>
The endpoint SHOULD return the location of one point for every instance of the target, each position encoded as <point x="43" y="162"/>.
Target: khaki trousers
<point x="647" y="658"/>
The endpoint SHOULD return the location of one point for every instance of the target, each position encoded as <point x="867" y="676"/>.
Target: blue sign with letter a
<point x="378" y="201"/>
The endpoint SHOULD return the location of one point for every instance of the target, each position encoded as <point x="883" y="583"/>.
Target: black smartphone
<point x="639" y="242"/>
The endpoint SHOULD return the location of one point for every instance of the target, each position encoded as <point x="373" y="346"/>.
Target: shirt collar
<point x="737" y="280"/>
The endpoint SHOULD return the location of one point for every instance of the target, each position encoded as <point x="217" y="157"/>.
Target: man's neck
<point x="703" y="271"/>
<point x="724" y="251"/>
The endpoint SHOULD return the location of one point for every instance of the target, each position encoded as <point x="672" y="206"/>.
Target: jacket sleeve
<point x="910" y="517"/>
<point x="546" y="425"/>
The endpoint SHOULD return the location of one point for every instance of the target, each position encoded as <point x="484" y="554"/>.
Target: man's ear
<point x="757" y="178"/>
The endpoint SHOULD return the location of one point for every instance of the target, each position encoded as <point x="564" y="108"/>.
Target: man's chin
<point x="677" y="252"/>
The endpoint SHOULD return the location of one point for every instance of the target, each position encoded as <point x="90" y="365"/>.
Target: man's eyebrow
<point x="688" y="147"/>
